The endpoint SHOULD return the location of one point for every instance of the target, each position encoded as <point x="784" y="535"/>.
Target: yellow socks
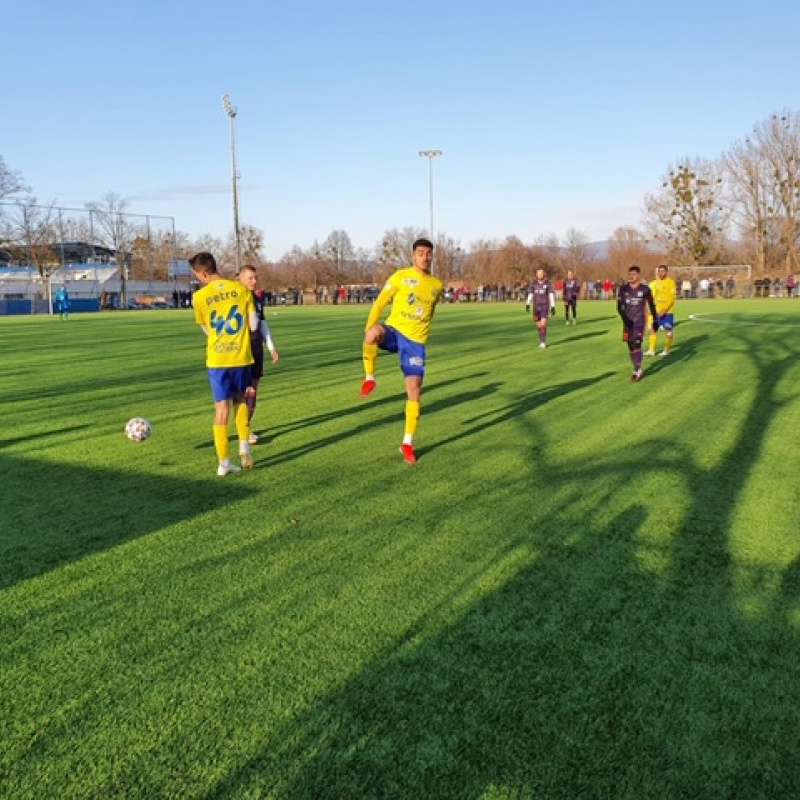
<point x="370" y="354"/>
<point x="242" y="417"/>
<point x="653" y="343"/>
<point x="221" y="442"/>
<point x="412" y="417"/>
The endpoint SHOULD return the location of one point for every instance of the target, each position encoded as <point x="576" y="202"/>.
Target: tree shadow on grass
<point x="680" y="354"/>
<point x="613" y="663"/>
<point x="514" y="411"/>
<point x="40" y="435"/>
<point x="53" y="514"/>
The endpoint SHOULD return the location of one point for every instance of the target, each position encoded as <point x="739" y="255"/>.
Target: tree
<point x="11" y="181"/>
<point x="512" y="264"/>
<point x="338" y="251"/>
<point x="117" y="231"/>
<point x="32" y="230"/>
<point x="576" y="254"/>
<point x="627" y="247"/>
<point x="763" y="173"/>
<point x="394" y="251"/>
<point x="686" y="214"/>
<point x="547" y="254"/>
<point x="252" y="239"/>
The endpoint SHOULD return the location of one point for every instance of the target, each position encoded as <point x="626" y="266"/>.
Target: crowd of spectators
<point x="593" y="289"/>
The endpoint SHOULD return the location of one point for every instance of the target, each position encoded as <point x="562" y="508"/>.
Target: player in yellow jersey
<point x="224" y="309"/>
<point x="413" y="293"/>
<point x="664" y="292"/>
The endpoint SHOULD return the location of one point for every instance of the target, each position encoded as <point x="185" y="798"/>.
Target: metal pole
<point x="430" y="155"/>
<point x="231" y="112"/>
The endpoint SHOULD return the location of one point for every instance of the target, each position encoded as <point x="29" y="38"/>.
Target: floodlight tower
<point x="230" y="110"/>
<point x="430" y="155"/>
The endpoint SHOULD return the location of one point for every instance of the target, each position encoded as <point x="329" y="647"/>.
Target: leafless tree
<point x="687" y="215"/>
<point x="117" y="230"/>
<point x="394" y="249"/>
<point x="32" y="231"/>
<point x="763" y="178"/>
<point x="576" y="253"/>
<point x="629" y="246"/>
<point x="11" y="182"/>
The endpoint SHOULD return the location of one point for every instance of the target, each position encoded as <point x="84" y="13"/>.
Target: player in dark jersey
<point x="258" y="338"/>
<point x="572" y="288"/>
<point x="634" y="301"/>
<point x="542" y="298"/>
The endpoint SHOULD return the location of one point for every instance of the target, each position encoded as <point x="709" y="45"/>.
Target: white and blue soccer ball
<point x="138" y="429"/>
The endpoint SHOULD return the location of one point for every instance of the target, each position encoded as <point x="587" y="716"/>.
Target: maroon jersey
<point x="633" y="305"/>
<point x="541" y="291"/>
<point x="572" y="288"/>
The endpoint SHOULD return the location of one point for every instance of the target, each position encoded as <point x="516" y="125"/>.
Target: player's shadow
<point x="569" y="340"/>
<point x="392" y="401"/>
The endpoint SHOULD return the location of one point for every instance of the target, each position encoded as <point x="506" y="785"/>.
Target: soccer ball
<point x="138" y="429"/>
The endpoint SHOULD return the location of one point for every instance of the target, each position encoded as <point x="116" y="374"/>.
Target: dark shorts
<point x="635" y="335"/>
<point x="257" y="367"/>
<point x="541" y="313"/>
<point x="228" y="382"/>
<point x="412" y="354"/>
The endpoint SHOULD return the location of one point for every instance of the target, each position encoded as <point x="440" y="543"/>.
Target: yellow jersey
<point x="664" y="293"/>
<point x="224" y="308"/>
<point x="413" y="295"/>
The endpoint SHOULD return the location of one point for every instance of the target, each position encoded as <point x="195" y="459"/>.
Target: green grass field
<point x="585" y="587"/>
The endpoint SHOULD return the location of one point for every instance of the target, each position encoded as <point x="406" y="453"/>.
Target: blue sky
<point x="550" y="116"/>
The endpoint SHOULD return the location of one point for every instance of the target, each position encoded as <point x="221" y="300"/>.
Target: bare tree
<point x="32" y="231"/>
<point x="394" y="250"/>
<point x="628" y="246"/>
<point x="686" y="214"/>
<point x="117" y="231"/>
<point x="547" y="254"/>
<point x="11" y="181"/>
<point x="764" y="177"/>
<point x="252" y="239"/>
<point x="339" y="252"/>
<point x="576" y="254"/>
<point x="513" y="263"/>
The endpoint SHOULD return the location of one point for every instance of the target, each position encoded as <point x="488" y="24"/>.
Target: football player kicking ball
<point x="224" y="310"/>
<point x="664" y="293"/>
<point x="634" y="299"/>
<point x="542" y="297"/>
<point x="414" y="293"/>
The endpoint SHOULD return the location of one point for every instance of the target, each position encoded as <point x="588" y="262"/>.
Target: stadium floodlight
<point x="430" y="155"/>
<point x="231" y="111"/>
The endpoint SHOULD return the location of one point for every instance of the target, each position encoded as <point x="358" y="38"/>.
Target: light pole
<point x="430" y="155"/>
<point x="231" y="112"/>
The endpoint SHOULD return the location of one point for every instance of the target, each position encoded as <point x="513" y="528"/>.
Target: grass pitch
<point x="585" y="587"/>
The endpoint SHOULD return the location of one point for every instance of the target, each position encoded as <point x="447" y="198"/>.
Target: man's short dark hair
<point x="634" y="268"/>
<point x="663" y="266"/>
<point x="203" y="261"/>
<point x="422" y="243"/>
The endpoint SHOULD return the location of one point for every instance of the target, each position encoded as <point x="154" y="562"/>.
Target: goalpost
<point x="719" y="280"/>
